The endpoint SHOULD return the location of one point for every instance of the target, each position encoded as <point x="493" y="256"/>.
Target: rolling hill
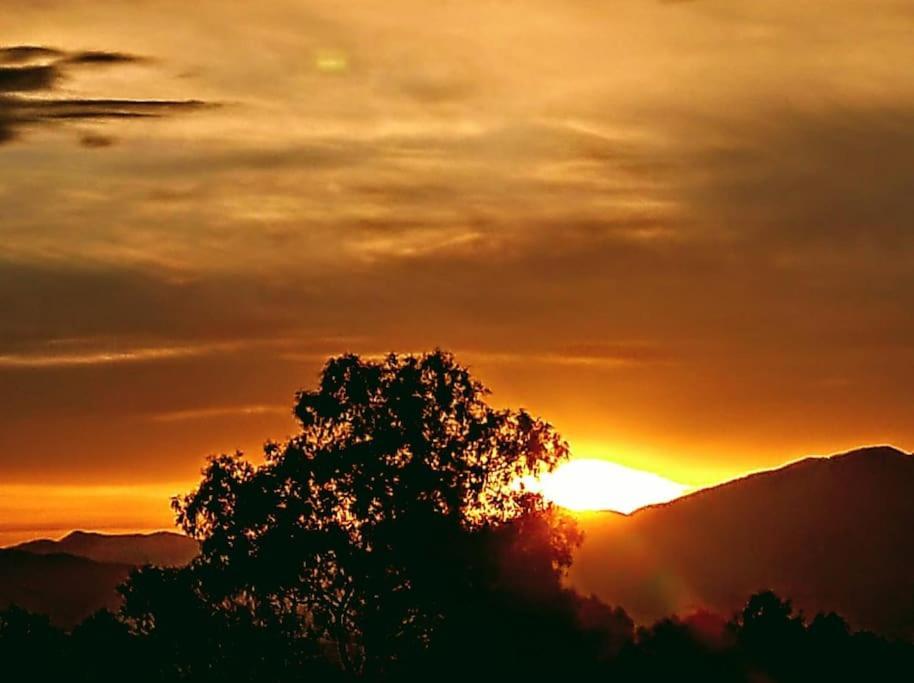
<point x="162" y="548"/>
<point x="830" y="533"/>
<point x="71" y="578"/>
<point x="64" y="587"/>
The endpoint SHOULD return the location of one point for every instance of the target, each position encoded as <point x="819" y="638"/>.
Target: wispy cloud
<point x="21" y="54"/>
<point x="101" y="58"/>
<point x="220" y="412"/>
<point x="109" y="357"/>
<point x="596" y="356"/>
<point x="28" y="90"/>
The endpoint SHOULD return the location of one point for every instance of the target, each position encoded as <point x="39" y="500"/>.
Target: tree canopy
<point x="382" y="518"/>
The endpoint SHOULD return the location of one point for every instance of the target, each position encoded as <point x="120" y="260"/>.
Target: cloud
<point x="21" y="54"/>
<point x="215" y="412"/>
<point x="806" y="189"/>
<point x="586" y="356"/>
<point x="18" y="113"/>
<point x="100" y="57"/>
<point x="27" y="78"/>
<point x="27" y="92"/>
<point x="582" y="357"/>
<point x="109" y="357"/>
<point x="538" y="188"/>
<point x="28" y="54"/>
<point x="93" y="141"/>
<point x="35" y="111"/>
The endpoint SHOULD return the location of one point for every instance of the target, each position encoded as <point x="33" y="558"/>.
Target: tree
<point x="377" y="523"/>
<point x="771" y="636"/>
<point x="185" y="636"/>
<point x="102" y="649"/>
<point x="31" y="648"/>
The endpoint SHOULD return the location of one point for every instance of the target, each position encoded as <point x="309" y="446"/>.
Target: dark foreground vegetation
<point x="766" y="642"/>
<point x="390" y="540"/>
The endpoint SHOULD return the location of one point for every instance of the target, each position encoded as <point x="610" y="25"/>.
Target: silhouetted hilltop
<point x="73" y="577"/>
<point x="163" y="548"/>
<point x="64" y="587"/>
<point x="832" y="533"/>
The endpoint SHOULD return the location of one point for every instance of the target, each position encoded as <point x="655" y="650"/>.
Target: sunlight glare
<point x="602" y="485"/>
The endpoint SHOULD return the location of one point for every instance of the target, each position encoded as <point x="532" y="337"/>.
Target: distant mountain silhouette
<point x="831" y="533"/>
<point x="162" y="548"/>
<point x="71" y="578"/>
<point x="64" y="587"/>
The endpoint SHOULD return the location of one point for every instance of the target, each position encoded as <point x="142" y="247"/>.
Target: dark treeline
<point x="391" y="540"/>
<point x="576" y="638"/>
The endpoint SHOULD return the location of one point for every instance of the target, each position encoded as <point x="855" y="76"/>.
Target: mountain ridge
<point x="832" y="533"/>
<point x="883" y="450"/>
<point x="44" y="584"/>
<point x="164" y="548"/>
<point x="70" y="578"/>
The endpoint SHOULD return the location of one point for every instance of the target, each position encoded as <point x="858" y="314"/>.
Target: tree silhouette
<point x="101" y="648"/>
<point x="771" y="635"/>
<point x="376" y="524"/>
<point x="516" y="620"/>
<point x="30" y="646"/>
<point x="186" y="637"/>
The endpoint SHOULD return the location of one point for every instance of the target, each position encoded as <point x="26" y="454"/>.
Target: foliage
<point x="378" y="522"/>
<point x="559" y="636"/>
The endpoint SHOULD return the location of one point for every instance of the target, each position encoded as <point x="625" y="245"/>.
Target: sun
<point x="603" y="485"/>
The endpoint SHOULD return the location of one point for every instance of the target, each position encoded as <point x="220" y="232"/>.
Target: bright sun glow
<point x="604" y="485"/>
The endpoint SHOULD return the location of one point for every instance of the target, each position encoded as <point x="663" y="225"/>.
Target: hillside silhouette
<point x="834" y="534"/>
<point x="163" y="548"/>
<point x="63" y="587"/>
<point x="73" y="577"/>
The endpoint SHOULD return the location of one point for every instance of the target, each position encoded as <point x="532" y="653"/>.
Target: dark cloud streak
<point x="28" y="54"/>
<point x="96" y="141"/>
<point x="99" y="57"/>
<point x="18" y="111"/>
<point x="27" y="78"/>
<point x="21" y="54"/>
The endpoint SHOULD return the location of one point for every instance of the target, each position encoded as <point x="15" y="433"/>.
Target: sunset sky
<point x="683" y="232"/>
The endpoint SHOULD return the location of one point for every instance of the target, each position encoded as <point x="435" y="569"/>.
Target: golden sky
<point x="681" y="231"/>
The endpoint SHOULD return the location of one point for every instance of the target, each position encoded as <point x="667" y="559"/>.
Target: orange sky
<point x="679" y="231"/>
